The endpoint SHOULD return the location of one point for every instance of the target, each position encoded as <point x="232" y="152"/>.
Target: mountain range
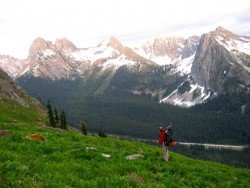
<point x="129" y="90"/>
<point x="171" y="70"/>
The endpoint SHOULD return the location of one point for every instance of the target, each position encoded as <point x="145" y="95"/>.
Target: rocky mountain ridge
<point x="63" y="59"/>
<point x="176" y="70"/>
<point x="10" y="91"/>
<point x="168" y="50"/>
<point x="222" y="57"/>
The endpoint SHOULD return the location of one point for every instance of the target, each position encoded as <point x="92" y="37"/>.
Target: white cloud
<point x="86" y="22"/>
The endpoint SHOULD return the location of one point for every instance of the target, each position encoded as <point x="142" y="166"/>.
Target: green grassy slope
<point x="63" y="160"/>
<point x="11" y="111"/>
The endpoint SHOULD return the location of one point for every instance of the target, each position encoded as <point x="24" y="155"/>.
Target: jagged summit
<point x="114" y="42"/>
<point x="39" y="45"/>
<point x="65" y="44"/>
<point x="204" y="63"/>
<point x="169" y="50"/>
<point x="227" y="35"/>
<point x="221" y="57"/>
<point x="231" y="41"/>
<point x="222" y="29"/>
<point x="111" y="41"/>
<point x="39" y="40"/>
<point x="223" y="32"/>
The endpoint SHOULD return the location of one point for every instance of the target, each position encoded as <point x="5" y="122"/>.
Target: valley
<point x="200" y="84"/>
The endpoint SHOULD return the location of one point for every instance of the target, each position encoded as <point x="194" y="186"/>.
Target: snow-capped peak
<point x="235" y="45"/>
<point x="232" y="42"/>
<point x="105" y="50"/>
<point x="165" y="51"/>
<point x="94" y="53"/>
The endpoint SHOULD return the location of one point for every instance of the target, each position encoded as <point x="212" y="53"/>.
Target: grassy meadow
<point x="70" y="159"/>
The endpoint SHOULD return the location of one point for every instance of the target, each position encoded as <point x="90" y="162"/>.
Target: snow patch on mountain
<point x="184" y="66"/>
<point x="94" y="53"/>
<point x="25" y="70"/>
<point x="118" y="62"/>
<point x="236" y="45"/>
<point x="233" y="45"/>
<point x="48" y="52"/>
<point x="160" y="60"/>
<point x="195" y="95"/>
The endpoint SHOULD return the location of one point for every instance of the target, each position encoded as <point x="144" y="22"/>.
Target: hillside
<point x="9" y="91"/>
<point x="66" y="159"/>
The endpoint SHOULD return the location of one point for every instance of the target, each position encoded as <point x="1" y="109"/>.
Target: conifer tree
<point x="101" y="133"/>
<point x="83" y="128"/>
<point x="63" y="120"/>
<point x="50" y="115"/>
<point x="56" y="117"/>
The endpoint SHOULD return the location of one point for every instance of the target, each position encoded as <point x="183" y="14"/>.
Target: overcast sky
<point x="87" y="22"/>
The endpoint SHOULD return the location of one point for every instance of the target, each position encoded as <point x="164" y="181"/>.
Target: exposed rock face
<point x="216" y="67"/>
<point x="113" y="42"/>
<point x="190" y="46"/>
<point x="13" y="66"/>
<point x="169" y="50"/>
<point x="128" y="52"/>
<point x="216" y="62"/>
<point x="64" y="60"/>
<point x="46" y="59"/>
<point x="228" y="35"/>
<point x="38" y="47"/>
<point x="9" y="90"/>
<point x="170" y="47"/>
<point x="65" y="45"/>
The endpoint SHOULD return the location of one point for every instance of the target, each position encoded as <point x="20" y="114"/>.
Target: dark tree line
<point x="54" y="119"/>
<point x="83" y="128"/>
<point x="117" y="111"/>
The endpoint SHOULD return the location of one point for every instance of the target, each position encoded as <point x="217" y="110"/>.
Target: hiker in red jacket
<point x="162" y="138"/>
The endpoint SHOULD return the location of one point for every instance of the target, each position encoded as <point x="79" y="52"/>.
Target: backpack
<point x="169" y="141"/>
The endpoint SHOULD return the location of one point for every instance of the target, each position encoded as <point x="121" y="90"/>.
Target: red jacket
<point x="162" y="136"/>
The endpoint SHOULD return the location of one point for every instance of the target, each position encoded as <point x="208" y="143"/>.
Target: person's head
<point x="160" y="127"/>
